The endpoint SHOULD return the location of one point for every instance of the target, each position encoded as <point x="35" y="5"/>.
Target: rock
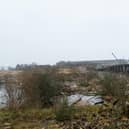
<point x="7" y="124"/>
<point x="124" y="118"/>
<point x="82" y="100"/>
<point x="108" y="98"/>
<point x="8" y="127"/>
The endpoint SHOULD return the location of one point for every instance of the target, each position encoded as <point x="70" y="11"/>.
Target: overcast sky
<point x="47" y="31"/>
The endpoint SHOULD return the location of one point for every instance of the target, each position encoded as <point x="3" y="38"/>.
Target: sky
<point x="48" y="31"/>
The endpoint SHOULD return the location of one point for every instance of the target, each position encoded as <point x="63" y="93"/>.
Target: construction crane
<point x="116" y="59"/>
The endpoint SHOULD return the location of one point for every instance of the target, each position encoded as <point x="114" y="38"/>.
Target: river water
<point x="3" y="97"/>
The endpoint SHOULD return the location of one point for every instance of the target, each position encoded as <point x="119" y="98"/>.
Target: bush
<point x="117" y="86"/>
<point x="114" y="85"/>
<point x="64" y="111"/>
<point x="108" y="84"/>
<point x="14" y="94"/>
<point x="49" y="87"/>
<point x="40" y="89"/>
<point x="91" y="75"/>
<point x="83" y="83"/>
<point x="28" y="82"/>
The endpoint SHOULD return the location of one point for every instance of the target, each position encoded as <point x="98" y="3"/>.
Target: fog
<point x="47" y="31"/>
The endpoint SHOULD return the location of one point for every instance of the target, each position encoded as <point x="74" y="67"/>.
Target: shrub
<point x="49" y="87"/>
<point x="28" y="81"/>
<point x="64" y="111"/>
<point x="116" y="86"/>
<point x="83" y="83"/>
<point x="40" y="89"/>
<point x="14" y="94"/>
<point x="91" y="75"/>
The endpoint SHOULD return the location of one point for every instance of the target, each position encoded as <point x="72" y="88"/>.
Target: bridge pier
<point x="123" y="68"/>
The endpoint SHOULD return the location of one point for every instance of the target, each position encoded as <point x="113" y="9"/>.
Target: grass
<point x="96" y="116"/>
<point x="32" y="118"/>
<point x="27" y="118"/>
<point x="26" y="114"/>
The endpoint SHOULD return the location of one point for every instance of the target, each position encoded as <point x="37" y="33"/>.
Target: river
<point x="3" y="98"/>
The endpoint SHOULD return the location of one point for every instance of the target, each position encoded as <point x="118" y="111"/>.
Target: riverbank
<point x="99" y="117"/>
<point x="88" y="101"/>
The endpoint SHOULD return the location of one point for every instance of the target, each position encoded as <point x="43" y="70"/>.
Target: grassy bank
<point x="104" y="117"/>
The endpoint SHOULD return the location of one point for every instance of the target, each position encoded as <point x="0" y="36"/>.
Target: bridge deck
<point x="124" y="68"/>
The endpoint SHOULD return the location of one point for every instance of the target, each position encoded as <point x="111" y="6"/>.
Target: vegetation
<point x="83" y="117"/>
<point x="34" y="101"/>
<point x="117" y="86"/>
<point x="41" y="89"/>
<point x="64" y="111"/>
<point x="49" y="87"/>
<point x="14" y="92"/>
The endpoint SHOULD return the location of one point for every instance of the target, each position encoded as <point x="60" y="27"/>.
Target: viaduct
<point x="122" y="68"/>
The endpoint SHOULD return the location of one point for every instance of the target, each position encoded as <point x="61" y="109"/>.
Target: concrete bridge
<point x="119" y="68"/>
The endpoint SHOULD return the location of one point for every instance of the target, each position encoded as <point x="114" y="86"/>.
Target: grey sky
<point x="47" y="31"/>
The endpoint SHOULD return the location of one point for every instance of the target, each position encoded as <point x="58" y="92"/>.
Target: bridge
<point x="119" y="68"/>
